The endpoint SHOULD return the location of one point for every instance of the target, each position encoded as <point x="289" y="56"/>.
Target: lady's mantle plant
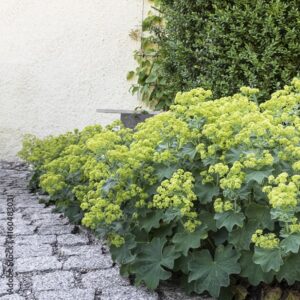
<point x="208" y="191"/>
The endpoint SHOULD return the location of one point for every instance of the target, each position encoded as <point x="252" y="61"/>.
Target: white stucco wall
<point x="60" y="60"/>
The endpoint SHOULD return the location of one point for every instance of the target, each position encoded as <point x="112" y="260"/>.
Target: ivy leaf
<point x="291" y="243"/>
<point x="290" y="271"/>
<point x="165" y="172"/>
<point x="151" y="262"/>
<point x="241" y="237"/>
<point x="123" y="254"/>
<point x="261" y="215"/>
<point x="206" y="192"/>
<point x="268" y="259"/>
<point x="258" y="176"/>
<point x="151" y="220"/>
<point x="252" y="271"/>
<point x="212" y="274"/>
<point x="229" y="219"/>
<point x="183" y="241"/>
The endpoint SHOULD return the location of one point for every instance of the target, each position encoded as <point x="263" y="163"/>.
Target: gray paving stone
<point x="85" y="250"/>
<point x="24" y="230"/>
<point x="74" y="294"/>
<point x="35" y="210"/>
<point x="58" y="280"/>
<point x="27" y="200"/>
<point x="89" y="263"/>
<point x="102" y="279"/>
<point x="12" y="297"/>
<point x="55" y="229"/>
<point x="127" y="293"/>
<point x="51" y="221"/>
<point x="1" y="269"/>
<point x="35" y="240"/>
<point x="44" y="263"/>
<point x="48" y="216"/>
<point x="32" y="250"/>
<point x="72" y="239"/>
<point x="18" y="217"/>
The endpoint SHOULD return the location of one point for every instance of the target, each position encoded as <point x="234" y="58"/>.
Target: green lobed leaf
<point x="184" y="240"/>
<point x="290" y="270"/>
<point x="268" y="259"/>
<point x="189" y="150"/>
<point x="233" y="155"/>
<point x="123" y="255"/>
<point x="151" y="263"/>
<point x="208" y="274"/>
<point x="207" y="218"/>
<point x="241" y="237"/>
<point x="291" y="243"/>
<point x="164" y="172"/>
<point x="261" y="215"/>
<point x="252" y="271"/>
<point x="229" y="219"/>
<point x="206" y="192"/>
<point x="172" y="213"/>
<point x="151" y="220"/>
<point x="258" y="176"/>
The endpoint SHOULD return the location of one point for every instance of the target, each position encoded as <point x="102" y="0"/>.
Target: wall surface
<point x="60" y="60"/>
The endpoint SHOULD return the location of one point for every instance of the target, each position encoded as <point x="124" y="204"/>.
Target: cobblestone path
<point x="52" y="258"/>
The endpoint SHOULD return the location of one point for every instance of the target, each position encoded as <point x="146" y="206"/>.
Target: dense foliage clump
<point x="218" y="45"/>
<point x="208" y="191"/>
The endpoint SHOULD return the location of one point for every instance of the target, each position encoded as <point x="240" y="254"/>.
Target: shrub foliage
<point x="208" y="191"/>
<point x="218" y="45"/>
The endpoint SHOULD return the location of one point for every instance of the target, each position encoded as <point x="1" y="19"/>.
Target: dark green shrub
<point x="220" y="45"/>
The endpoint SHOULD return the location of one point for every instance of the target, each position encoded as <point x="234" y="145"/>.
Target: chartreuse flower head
<point x="221" y="206"/>
<point x="266" y="241"/>
<point x="178" y="192"/>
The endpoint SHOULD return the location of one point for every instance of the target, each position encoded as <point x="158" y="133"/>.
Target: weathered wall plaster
<point x="60" y="60"/>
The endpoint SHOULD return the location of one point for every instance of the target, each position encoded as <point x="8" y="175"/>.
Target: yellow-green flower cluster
<point x="254" y="162"/>
<point x="221" y="206"/>
<point x="295" y="226"/>
<point x="115" y="239"/>
<point x="249" y="91"/>
<point x="52" y="183"/>
<point x="178" y="192"/>
<point x="219" y="169"/>
<point x="284" y="194"/>
<point x="266" y="241"/>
